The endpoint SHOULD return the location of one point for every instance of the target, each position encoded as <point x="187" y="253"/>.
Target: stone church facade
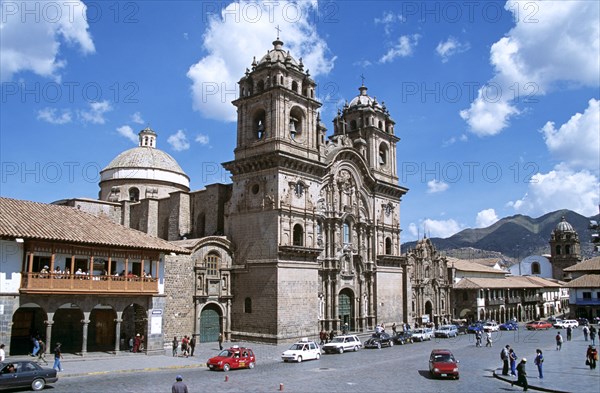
<point x="307" y="235"/>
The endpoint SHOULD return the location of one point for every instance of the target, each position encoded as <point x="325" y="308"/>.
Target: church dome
<point x="363" y="99"/>
<point x="564" y="226"/>
<point x="145" y="157"/>
<point x="277" y="54"/>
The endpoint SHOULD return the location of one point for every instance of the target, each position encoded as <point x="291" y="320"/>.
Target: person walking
<point x="488" y="339"/>
<point x="585" y="331"/>
<point x="539" y="361"/>
<point x="394" y="328"/>
<point x="522" y="375"/>
<point x="505" y="356"/>
<point x="322" y="337"/>
<point x="569" y="333"/>
<point x="192" y="345"/>
<point x="179" y="386"/>
<point x="57" y="356"/>
<point x="42" y="352"/>
<point x="591" y="357"/>
<point x="220" y="341"/>
<point x="593" y="335"/>
<point x="512" y="356"/>
<point x="36" y="345"/>
<point x="478" y="339"/>
<point x="175" y="344"/>
<point x="2" y="353"/>
<point x="559" y="341"/>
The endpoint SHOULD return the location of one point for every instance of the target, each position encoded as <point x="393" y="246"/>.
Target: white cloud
<point x="403" y="48"/>
<point x="434" y="186"/>
<point x="31" y="42"/>
<point x="545" y="48"/>
<point x="95" y="114"/>
<point x="202" y="139"/>
<point x="451" y="47"/>
<point x="435" y="228"/>
<point x="49" y="115"/>
<point x="561" y="188"/>
<point x="178" y="141"/>
<point x="128" y="133"/>
<point x="485" y="218"/>
<point x="577" y="141"/>
<point x="137" y="118"/>
<point x="388" y="19"/>
<point x="245" y="29"/>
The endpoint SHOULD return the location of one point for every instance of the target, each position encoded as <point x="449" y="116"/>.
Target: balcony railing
<point x="495" y="302"/>
<point x="587" y="301"/>
<point x="514" y="300"/>
<point x="67" y="284"/>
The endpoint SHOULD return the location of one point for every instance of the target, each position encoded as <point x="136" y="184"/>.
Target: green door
<point x="345" y="309"/>
<point x="210" y="325"/>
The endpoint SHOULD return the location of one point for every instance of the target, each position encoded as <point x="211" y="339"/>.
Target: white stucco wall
<point x="11" y="256"/>
<point x="525" y="267"/>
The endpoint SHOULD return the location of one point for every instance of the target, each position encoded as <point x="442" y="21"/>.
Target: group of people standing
<point x="509" y="362"/>
<point x="188" y="346"/>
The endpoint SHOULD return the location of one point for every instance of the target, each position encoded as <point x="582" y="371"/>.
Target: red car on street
<point x="234" y="357"/>
<point x="538" y="325"/>
<point x="443" y="364"/>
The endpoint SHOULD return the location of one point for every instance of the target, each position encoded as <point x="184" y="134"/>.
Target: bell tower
<point x="565" y="249"/>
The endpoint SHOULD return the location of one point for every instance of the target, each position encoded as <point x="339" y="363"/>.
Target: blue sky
<point x="496" y="103"/>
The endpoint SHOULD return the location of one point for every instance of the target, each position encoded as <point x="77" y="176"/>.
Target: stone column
<point x="228" y="319"/>
<point x="49" y="324"/>
<point x="118" y="321"/>
<point x="197" y="310"/>
<point x="85" y="321"/>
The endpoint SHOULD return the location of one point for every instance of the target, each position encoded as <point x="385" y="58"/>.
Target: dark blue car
<point x="509" y="326"/>
<point x="474" y="328"/>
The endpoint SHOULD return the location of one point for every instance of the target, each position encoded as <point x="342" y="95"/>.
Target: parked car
<point x="583" y="321"/>
<point x="490" y="327"/>
<point x="422" y="334"/>
<point x="551" y="319"/>
<point x="475" y="327"/>
<point x="446" y="331"/>
<point x="565" y="323"/>
<point x="402" y="338"/>
<point x="19" y="374"/>
<point x="443" y="364"/>
<point x="341" y="344"/>
<point x="234" y="357"/>
<point x="379" y="340"/>
<point x="538" y="325"/>
<point x="302" y="350"/>
<point x="510" y="325"/>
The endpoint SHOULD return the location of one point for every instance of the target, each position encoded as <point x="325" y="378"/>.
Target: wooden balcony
<point x="55" y="284"/>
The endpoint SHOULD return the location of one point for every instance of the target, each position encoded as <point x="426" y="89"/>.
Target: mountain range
<point x="514" y="237"/>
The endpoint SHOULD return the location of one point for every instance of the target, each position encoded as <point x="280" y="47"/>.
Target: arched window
<point x="427" y="272"/>
<point x="212" y="263"/>
<point x="295" y="86"/>
<point x="535" y="268"/>
<point x="298" y="235"/>
<point x="380" y="125"/>
<point x="299" y="189"/>
<point x="260" y="86"/>
<point x="296" y="123"/>
<point x="567" y="249"/>
<point x="248" y="305"/>
<point x="383" y="154"/>
<point x="346" y="229"/>
<point x="134" y="194"/>
<point x="353" y="125"/>
<point x="558" y="249"/>
<point x="258" y="124"/>
<point x="388" y="245"/>
<point x="281" y="80"/>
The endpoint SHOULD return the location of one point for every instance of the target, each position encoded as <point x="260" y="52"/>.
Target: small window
<point x="567" y="249"/>
<point x="134" y="194"/>
<point x="535" y="268"/>
<point x="383" y="154"/>
<point x="465" y="295"/>
<point x="255" y="189"/>
<point x="212" y="265"/>
<point x="248" y="305"/>
<point x="298" y="236"/>
<point x="295" y="86"/>
<point x="260" y="86"/>
<point x="299" y="189"/>
<point x="587" y="295"/>
<point x="353" y="125"/>
<point x="346" y="233"/>
<point x="388" y="245"/>
<point x="557" y="249"/>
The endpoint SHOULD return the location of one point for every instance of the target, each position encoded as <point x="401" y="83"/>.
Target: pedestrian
<point x="192" y="345"/>
<point x="539" y="361"/>
<point x="184" y="346"/>
<point x="593" y="335"/>
<point x="36" y="345"/>
<point x="179" y="386"/>
<point x="2" y="353"/>
<point x="478" y="339"/>
<point x="488" y="339"/>
<point x="57" y="356"/>
<point x="220" y="341"/>
<point x="559" y="341"/>
<point x="585" y="331"/>
<point x="505" y="356"/>
<point x="42" y="352"/>
<point x="394" y="328"/>
<point x="591" y="357"/>
<point x="331" y="335"/>
<point x="136" y="343"/>
<point x="522" y="375"/>
<point x="175" y="344"/>
<point x="512" y="356"/>
<point x="322" y="337"/>
<point x="569" y="333"/>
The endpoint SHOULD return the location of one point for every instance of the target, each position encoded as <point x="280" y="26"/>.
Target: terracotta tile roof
<point x="585" y="281"/>
<point x="40" y="221"/>
<point x="469" y="266"/>
<point x="505" y="282"/>
<point x="592" y="264"/>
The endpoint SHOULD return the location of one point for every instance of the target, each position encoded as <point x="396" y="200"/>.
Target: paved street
<point x="401" y="368"/>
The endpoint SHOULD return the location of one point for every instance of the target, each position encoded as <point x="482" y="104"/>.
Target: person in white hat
<point x="522" y="374"/>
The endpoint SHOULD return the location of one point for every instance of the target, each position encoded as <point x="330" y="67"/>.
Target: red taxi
<point x="234" y="357"/>
<point x="443" y="364"/>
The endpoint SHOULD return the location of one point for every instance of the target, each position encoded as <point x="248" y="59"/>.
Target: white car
<point x="491" y="327"/>
<point x="446" y="331"/>
<point x="422" y="334"/>
<point x="340" y="344"/>
<point x="565" y="323"/>
<point x="302" y="350"/>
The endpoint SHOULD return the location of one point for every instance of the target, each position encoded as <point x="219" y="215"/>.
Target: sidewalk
<point x="564" y="370"/>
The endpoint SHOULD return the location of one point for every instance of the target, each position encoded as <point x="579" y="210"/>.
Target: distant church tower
<point x="565" y="250"/>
